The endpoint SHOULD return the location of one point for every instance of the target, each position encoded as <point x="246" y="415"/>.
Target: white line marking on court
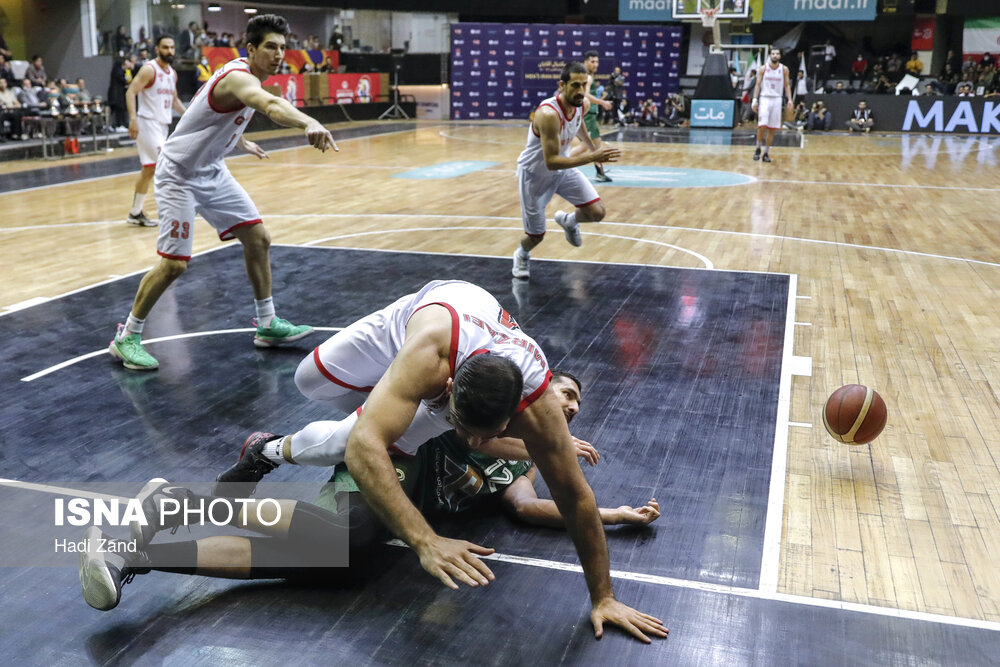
<point x="803" y="324"/>
<point x="27" y="303"/>
<point x="893" y="186"/>
<point x="799" y="296"/>
<point x="58" y="490"/>
<point x="744" y="592"/>
<point x="800" y="424"/>
<point x="705" y="260"/>
<point x="194" y="334"/>
<point x="771" y="549"/>
<point x="802" y="366"/>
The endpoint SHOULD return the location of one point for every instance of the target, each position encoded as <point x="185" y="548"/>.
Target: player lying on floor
<point x="445" y="476"/>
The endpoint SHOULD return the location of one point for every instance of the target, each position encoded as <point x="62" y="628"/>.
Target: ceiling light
<point x="214" y="7"/>
<point x="249" y="10"/>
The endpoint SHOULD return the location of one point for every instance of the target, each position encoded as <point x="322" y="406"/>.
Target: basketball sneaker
<point x="603" y="178"/>
<point x="105" y="566"/>
<point x="756" y="154"/>
<point x="520" y="269"/>
<point x="151" y="499"/>
<point x="130" y="351"/>
<point x="766" y="158"/>
<point x="572" y="231"/>
<point x="241" y="479"/>
<point x="141" y="220"/>
<point x="280" y="332"/>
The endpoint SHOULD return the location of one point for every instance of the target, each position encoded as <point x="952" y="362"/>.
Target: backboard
<point x="688" y="10"/>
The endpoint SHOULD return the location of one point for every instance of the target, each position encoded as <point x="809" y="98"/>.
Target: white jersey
<point x="156" y="100"/>
<point x="773" y="83"/>
<point x="205" y="134"/>
<point x="532" y="157"/>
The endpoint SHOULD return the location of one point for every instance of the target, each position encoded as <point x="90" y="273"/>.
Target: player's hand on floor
<point x="640" y="516"/>
<point x="586" y="451"/>
<point x="607" y="153"/>
<point x="447" y="559"/>
<point x="254" y="149"/>
<point x="634" y="622"/>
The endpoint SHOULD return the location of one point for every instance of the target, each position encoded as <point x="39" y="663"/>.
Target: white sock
<point x="137" y="202"/>
<point x="570" y="219"/>
<point x="265" y="311"/>
<point x="521" y="252"/>
<point x="133" y="325"/>
<point x="273" y="451"/>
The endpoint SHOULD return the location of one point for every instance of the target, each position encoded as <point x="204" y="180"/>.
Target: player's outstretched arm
<point x="543" y="428"/>
<point x="419" y="371"/>
<point x="521" y="500"/>
<point x="246" y="88"/>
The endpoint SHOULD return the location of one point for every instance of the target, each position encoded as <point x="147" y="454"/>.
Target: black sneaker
<point x="603" y="178"/>
<point x="140" y="220"/>
<point x="756" y="155"/>
<point x="766" y="158"/>
<point x="150" y="499"/>
<point x="105" y="566"/>
<point x="241" y="479"/>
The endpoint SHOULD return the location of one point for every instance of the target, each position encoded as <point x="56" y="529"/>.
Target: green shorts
<point x="590" y="120"/>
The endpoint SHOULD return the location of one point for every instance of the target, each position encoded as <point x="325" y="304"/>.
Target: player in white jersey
<point x="155" y="89"/>
<point x="192" y="177"/>
<point x="772" y="80"/>
<point x="546" y="167"/>
<point x="446" y="357"/>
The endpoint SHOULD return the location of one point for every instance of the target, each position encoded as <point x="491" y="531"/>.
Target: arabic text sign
<point x="712" y="113"/>
<point x="820" y="10"/>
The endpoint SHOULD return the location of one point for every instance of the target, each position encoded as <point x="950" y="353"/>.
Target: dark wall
<point x="52" y="30"/>
<point x="416" y="68"/>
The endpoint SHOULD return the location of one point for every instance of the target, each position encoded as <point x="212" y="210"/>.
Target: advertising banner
<point x="504" y="70"/>
<point x="712" y="113"/>
<point x="297" y="60"/>
<point x="820" y="10"/>
<point x="923" y="33"/>
<point x="342" y="88"/>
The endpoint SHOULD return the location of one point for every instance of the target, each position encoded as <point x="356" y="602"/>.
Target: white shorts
<point x="152" y="134"/>
<point x="769" y="112"/>
<point x="537" y="191"/>
<point x="211" y="191"/>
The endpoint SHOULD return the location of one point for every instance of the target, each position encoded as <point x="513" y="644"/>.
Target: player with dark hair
<point x="394" y="371"/>
<point x="772" y="78"/>
<point x="444" y="477"/>
<point x="592" y="60"/>
<point x="191" y="177"/>
<point x="546" y="167"/>
<point x="154" y="87"/>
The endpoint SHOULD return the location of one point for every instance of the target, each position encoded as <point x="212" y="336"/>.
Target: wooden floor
<point x="893" y="242"/>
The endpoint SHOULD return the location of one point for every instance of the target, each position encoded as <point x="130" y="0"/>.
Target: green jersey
<point x="593" y="92"/>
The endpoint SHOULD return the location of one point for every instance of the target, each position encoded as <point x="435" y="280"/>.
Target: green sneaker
<point x="280" y="332"/>
<point x="131" y="352"/>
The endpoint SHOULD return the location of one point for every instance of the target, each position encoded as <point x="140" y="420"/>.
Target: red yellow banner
<point x="297" y="60"/>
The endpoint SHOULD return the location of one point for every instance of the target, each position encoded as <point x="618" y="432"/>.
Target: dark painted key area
<point x="680" y="370"/>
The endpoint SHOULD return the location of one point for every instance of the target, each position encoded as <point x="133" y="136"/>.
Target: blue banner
<point x="645" y="10"/>
<point x="712" y="113"/>
<point x="504" y="70"/>
<point x="819" y="10"/>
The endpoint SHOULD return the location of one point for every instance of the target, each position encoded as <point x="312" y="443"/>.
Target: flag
<point x="802" y="62"/>
<point x="981" y="35"/>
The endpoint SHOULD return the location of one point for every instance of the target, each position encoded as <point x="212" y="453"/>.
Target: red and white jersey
<point x="479" y="324"/>
<point x="773" y="83"/>
<point x="205" y="134"/>
<point x="156" y="100"/>
<point x="532" y="157"/>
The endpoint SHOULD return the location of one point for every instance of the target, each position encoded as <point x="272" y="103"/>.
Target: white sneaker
<point x="520" y="269"/>
<point x="572" y="233"/>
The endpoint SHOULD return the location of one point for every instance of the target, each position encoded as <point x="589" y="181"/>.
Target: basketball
<point x="854" y="414"/>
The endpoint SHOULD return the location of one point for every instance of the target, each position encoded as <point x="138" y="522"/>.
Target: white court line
<point x="803" y="324"/>
<point x="97" y="353"/>
<point x="880" y="185"/>
<point x="58" y="490"/>
<point x="799" y="296"/>
<point x="771" y="549"/>
<point x="800" y="424"/>
<point x="745" y="592"/>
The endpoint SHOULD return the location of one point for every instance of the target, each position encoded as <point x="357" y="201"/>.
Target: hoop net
<point x="708" y="16"/>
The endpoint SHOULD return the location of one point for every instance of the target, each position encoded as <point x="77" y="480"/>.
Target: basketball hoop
<point x="708" y="16"/>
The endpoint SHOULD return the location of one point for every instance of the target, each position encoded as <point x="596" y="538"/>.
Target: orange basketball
<point x="854" y="414"/>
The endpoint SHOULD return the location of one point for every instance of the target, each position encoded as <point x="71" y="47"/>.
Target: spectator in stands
<point x="121" y="42"/>
<point x="4" y="51"/>
<point x="185" y="42"/>
<point x="948" y="79"/>
<point x="883" y="86"/>
<point x="748" y="86"/>
<point x="241" y="43"/>
<point x="930" y="89"/>
<point x="987" y="60"/>
<point x="613" y="91"/>
<point x="675" y="110"/>
<point x="965" y="89"/>
<point x="987" y="76"/>
<point x="36" y="72"/>
<point x="292" y="42"/>
<point x="29" y="97"/>
<point x="800" y="116"/>
<point x="840" y="89"/>
<point x="954" y="60"/>
<point x="624" y="111"/>
<point x="801" y="85"/>
<point x="10" y="111"/>
<point x="121" y="77"/>
<point x="894" y="67"/>
<point x="966" y="81"/>
<point x="862" y="120"/>
<point x="859" y="68"/>
<point x="829" y="60"/>
<point x="202" y="40"/>
<point x="142" y="58"/>
<point x="336" y="38"/>
<point x="820" y="117"/>
<point x="913" y="65"/>
<point x="204" y="70"/>
<point x="83" y="95"/>
<point x="649" y="114"/>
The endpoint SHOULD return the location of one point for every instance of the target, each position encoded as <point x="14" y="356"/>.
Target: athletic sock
<point x="177" y="557"/>
<point x="265" y="311"/>
<point x="273" y="450"/>
<point x="522" y="253"/>
<point x="137" y="202"/>
<point x="133" y="325"/>
<point x="570" y="219"/>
